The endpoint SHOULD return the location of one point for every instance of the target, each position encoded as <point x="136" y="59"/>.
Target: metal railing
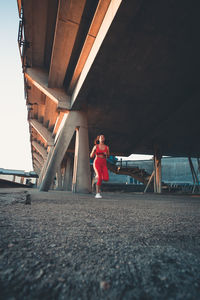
<point x="22" y="42"/>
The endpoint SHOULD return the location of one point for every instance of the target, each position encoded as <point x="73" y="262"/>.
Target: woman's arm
<point x="92" y="154"/>
<point x="108" y="152"/>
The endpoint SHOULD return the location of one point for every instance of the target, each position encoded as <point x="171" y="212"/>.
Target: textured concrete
<point x="149" y="80"/>
<point x="142" y="89"/>
<point x="81" y="173"/>
<point x="124" y="246"/>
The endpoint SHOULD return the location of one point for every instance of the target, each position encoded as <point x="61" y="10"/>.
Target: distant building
<point x="175" y="170"/>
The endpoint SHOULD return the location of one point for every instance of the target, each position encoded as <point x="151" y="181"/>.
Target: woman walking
<point x="101" y="151"/>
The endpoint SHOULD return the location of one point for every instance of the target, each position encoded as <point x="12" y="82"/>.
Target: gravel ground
<point x="60" y="245"/>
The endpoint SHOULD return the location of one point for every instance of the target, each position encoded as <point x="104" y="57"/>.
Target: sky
<point x="15" y="150"/>
<point x="15" y="147"/>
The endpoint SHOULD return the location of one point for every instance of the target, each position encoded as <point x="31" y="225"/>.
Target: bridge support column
<point x="36" y="182"/>
<point x="75" y="121"/>
<point x="194" y="175"/>
<point x="41" y="173"/>
<point x="67" y="182"/>
<point x="81" y="181"/>
<point x="157" y="173"/>
<point x="59" y="179"/>
<point x="45" y="165"/>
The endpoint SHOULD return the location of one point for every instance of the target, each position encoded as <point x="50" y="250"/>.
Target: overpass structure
<point x="128" y="69"/>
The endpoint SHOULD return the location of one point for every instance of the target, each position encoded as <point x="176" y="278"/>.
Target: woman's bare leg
<point x="95" y="170"/>
<point x="97" y="188"/>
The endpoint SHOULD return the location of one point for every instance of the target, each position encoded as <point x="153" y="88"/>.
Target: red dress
<point x="100" y="165"/>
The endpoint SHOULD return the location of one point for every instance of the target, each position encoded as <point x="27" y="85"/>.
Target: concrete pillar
<point x="53" y="183"/>
<point x="37" y="169"/>
<point x="59" y="179"/>
<point x="14" y="178"/>
<point x="157" y="173"/>
<point x="75" y="119"/>
<point x="67" y="182"/>
<point x="81" y="181"/>
<point x="56" y="157"/>
<point x="45" y="165"/>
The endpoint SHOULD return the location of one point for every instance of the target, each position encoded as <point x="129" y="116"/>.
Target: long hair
<point x="96" y="141"/>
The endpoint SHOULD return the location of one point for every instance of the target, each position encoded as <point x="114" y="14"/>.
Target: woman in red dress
<point x="101" y="151"/>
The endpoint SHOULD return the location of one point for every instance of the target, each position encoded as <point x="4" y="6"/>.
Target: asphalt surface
<point x="60" y="245"/>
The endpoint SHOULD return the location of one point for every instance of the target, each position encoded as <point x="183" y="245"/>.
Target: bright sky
<point x="15" y="149"/>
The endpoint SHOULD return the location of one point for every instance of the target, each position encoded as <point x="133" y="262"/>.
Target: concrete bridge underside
<point x="127" y="69"/>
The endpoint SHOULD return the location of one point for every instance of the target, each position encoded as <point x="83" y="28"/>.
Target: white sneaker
<point x="98" y="196"/>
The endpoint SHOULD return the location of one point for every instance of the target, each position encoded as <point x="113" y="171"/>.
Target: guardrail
<point x="23" y="44"/>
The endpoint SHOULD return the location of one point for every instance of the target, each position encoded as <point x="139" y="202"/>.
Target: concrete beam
<point x="40" y="149"/>
<point x="45" y="165"/>
<point x="41" y="112"/>
<point x="39" y="23"/>
<point x="35" y="95"/>
<point x="102" y="31"/>
<point x="19" y="3"/>
<point x="38" y="158"/>
<point x="89" y="41"/>
<point x="36" y="169"/>
<point x="43" y="132"/>
<point x="50" y="29"/>
<point x="50" y="114"/>
<point x="39" y="78"/>
<point x="35" y="136"/>
<point x="58" y="122"/>
<point x="67" y="25"/>
<point x="37" y="164"/>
